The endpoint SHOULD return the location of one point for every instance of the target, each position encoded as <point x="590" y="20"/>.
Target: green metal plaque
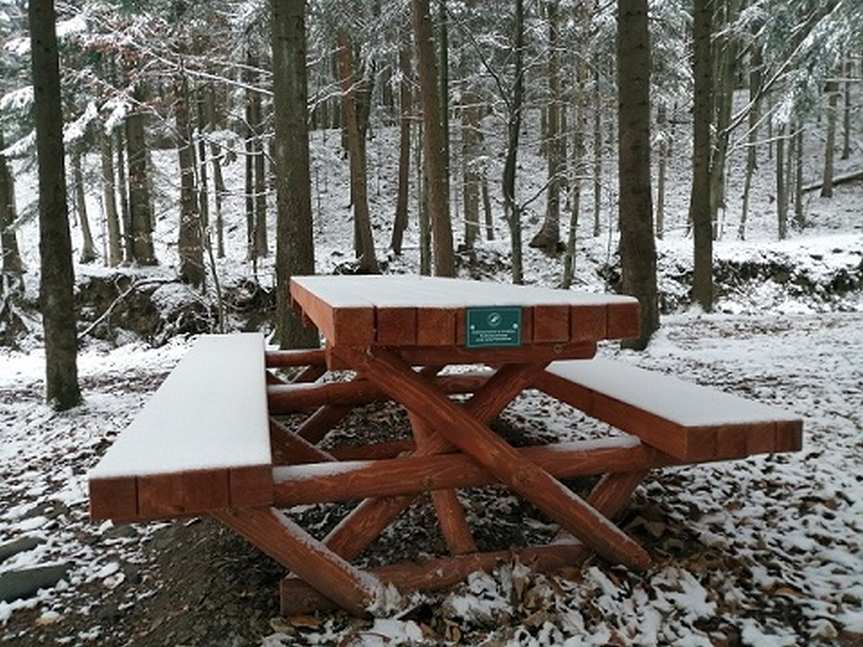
<point x="492" y="327"/>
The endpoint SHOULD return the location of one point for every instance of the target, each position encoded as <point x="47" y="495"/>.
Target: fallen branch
<point x="839" y="179"/>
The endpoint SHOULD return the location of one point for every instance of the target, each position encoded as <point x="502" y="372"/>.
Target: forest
<point x="166" y="167"/>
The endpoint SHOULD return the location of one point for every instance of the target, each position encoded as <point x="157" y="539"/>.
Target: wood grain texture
<point x="551" y="324"/>
<point x="289" y="448"/>
<point x="396" y="326"/>
<point x="299" y="485"/>
<point x="182" y="493"/>
<point x="623" y="320"/>
<point x="113" y="498"/>
<point x="436" y="326"/>
<point x="476" y="439"/>
<point x="288" y="358"/>
<point x="292" y="547"/>
<point x="373" y="451"/>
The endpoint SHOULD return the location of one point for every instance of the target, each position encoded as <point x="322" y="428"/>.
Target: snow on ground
<point x="765" y="551"/>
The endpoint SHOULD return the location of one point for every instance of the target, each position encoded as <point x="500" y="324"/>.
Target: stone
<point x="18" y="585"/>
<point x="20" y="545"/>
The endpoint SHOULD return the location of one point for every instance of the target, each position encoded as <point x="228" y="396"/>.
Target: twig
<point x="122" y="296"/>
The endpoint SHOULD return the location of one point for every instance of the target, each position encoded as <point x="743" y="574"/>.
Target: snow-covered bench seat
<point x="201" y="443"/>
<point x="688" y="422"/>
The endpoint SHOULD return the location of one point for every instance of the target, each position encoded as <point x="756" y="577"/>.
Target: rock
<point x="17" y="585"/>
<point x="20" y="545"/>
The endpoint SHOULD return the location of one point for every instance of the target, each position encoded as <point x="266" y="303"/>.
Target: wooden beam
<point x="386" y="449"/>
<point x="286" y="358"/>
<point x="318" y="425"/>
<point x="473" y="437"/>
<point x="348" y="481"/>
<point x="309" y="374"/>
<point x="287" y="398"/>
<point x="299" y="598"/>
<point x="609" y="497"/>
<point x="365" y="522"/>
<point x="450" y="512"/>
<point x="291" y="546"/>
<point x="292" y="449"/>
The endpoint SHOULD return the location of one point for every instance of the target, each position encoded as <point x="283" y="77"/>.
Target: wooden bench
<point x="201" y="443"/>
<point x="688" y="422"/>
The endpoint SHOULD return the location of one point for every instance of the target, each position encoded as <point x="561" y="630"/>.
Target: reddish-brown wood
<point x="551" y="324"/>
<point x="359" y="528"/>
<point x="450" y="512"/>
<point x="309" y="374"/>
<point x="182" y="493"/>
<point x="388" y="449"/>
<point x="550" y="352"/>
<point x="114" y="498"/>
<point x="300" y="485"/>
<point x="588" y="323"/>
<point x="396" y="326"/>
<point x="291" y="546"/>
<point x="272" y="378"/>
<point x="292" y="449"/>
<point x="288" y="398"/>
<point x="476" y="439"/>
<point x="318" y="425"/>
<point x="288" y="358"/>
<point x="298" y="598"/>
<point x="623" y="320"/>
<point x="250" y="486"/>
<point x="789" y="436"/>
<point x="436" y="326"/>
<point x="342" y="325"/>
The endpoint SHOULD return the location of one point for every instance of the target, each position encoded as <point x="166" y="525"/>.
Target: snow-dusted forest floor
<point x="765" y="551"/>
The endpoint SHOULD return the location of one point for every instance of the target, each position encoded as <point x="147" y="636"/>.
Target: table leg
<point x="474" y="438"/>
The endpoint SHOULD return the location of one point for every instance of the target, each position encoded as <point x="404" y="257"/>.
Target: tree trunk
<point x="755" y="64"/>
<point x="250" y="77"/>
<point x="832" y="92"/>
<point x="295" y="248"/>
<point x="422" y="206"/>
<point x="368" y="262"/>
<point x="699" y="203"/>
<point x="846" y="110"/>
<point x="218" y="179"/>
<point x="262" y="248"/>
<point x="579" y="121"/>
<point x="486" y="207"/>
<point x="443" y="52"/>
<point x="434" y="143"/>
<point x="139" y="185"/>
<point x="123" y="190"/>
<point x="548" y="237"/>
<point x="597" y="149"/>
<point x="637" y="249"/>
<point x="799" y="217"/>
<point x="726" y="70"/>
<point x="511" y="206"/>
<point x="662" y="124"/>
<point x="88" y="250"/>
<point x="781" y="191"/>
<point x="400" y="222"/>
<point x="11" y="267"/>
<point x="189" y="244"/>
<point x="203" y="180"/>
<point x="55" y="243"/>
<point x="115" y="250"/>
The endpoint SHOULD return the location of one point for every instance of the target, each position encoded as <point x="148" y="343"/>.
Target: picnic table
<point x="207" y="442"/>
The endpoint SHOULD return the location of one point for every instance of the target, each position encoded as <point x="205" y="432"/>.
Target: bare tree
<point x="433" y="143"/>
<point x="140" y="210"/>
<point x="832" y="91"/>
<point x="400" y="222"/>
<point x="11" y="267"/>
<point x="295" y="248"/>
<point x="189" y="244"/>
<point x="699" y="202"/>
<point x="55" y="244"/>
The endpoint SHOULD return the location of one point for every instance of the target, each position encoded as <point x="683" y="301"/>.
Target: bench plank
<point x="200" y="443"/>
<point x="687" y="421"/>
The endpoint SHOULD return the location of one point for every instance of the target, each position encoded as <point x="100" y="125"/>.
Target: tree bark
<point x="295" y="247"/>
<point x="662" y="125"/>
<point x="781" y="190"/>
<point x="443" y="53"/>
<point x="368" y="262"/>
<point x="218" y="179"/>
<point x="846" y="110"/>
<point x="832" y="92"/>
<point x="262" y="248"/>
<point x="637" y="249"/>
<point x="434" y="144"/>
<point x="755" y="64"/>
<point x="726" y="55"/>
<point x="189" y="244"/>
<point x="88" y="250"/>
<point x="513" y="129"/>
<point x="55" y="243"/>
<point x="400" y="222"/>
<point x="699" y="203"/>
<point x="423" y="206"/>
<point x="140" y="217"/>
<point x="123" y="190"/>
<point x="597" y="150"/>
<point x="115" y="250"/>
<point x="11" y="267"/>
<point x="579" y="121"/>
<point x="799" y="217"/>
<point x="548" y="237"/>
<point x="203" y="180"/>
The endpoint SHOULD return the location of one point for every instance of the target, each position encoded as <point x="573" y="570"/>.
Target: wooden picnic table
<point x="397" y="333"/>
